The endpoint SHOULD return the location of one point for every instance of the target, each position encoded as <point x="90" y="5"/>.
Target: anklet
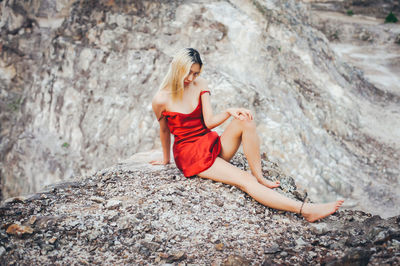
<point x="304" y="200"/>
<point x="301" y="208"/>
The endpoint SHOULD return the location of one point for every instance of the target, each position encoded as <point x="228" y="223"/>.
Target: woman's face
<point x="193" y="74"/>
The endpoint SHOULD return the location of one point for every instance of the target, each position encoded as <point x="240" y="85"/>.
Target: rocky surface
<point x="372" y="8"/>
<point x="365" y="42"/>
<point x="77" y="79"/>
<point x="134" y="213"/>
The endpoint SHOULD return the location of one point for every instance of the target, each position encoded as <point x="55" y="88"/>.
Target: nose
<point x="190" y="77"/>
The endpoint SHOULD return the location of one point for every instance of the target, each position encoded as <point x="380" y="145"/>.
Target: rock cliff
<point x="134" y="213"/>
<point x="77" y="78"/>
<point x="372" y="8"/>
<point x="364" y="41"/>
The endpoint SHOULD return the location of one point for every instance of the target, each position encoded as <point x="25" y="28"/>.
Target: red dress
<point x="195" y="146"/>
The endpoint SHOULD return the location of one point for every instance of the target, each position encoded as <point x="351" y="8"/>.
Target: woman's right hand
<point x="159" y="162"/>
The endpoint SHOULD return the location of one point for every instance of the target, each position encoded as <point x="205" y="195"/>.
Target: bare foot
<point x="268" y="183"/>
<point x="313" y="212"/>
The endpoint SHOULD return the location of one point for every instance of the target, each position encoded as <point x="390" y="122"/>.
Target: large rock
<point x="85" y="72"/>
<point x="163" y="217"/>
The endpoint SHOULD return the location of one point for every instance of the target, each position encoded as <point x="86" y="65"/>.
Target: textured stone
<point x="397" y="39"/>
<point x="167" y="218"/>
<point x="273" y="249"/>
<point x="356" y="257"/>
<point x="19" y="230"/>
<point x="300" y="242"/>
<point x="52" y="240"/>
<point x="32" y="220"/>
<point x="371" y="8"/>
<point x="80" y="76"/>
<point x="219" y="246"/>
<point x="97" y="199"/>
<point x="113" y="204"/>
<point x="235" y="260"/>
<point x="2" y="251"/>
<point x="320" y="228"/>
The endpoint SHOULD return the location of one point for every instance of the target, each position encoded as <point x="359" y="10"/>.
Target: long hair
<point x="179" y="69"/>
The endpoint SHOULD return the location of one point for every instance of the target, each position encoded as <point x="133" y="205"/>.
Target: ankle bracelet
<point x="304" y="201"/>
<point x="301" y="208"/>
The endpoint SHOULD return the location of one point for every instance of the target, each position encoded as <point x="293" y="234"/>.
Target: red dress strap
<point x="202" y="92"/>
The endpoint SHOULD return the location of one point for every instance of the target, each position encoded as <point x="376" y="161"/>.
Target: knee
<point x="248" y="124"/>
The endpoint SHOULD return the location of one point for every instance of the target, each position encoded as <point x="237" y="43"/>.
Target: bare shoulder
<point x="160" y="100"/>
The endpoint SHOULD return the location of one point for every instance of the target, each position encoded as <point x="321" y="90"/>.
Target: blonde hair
<point x="178" y="70"/>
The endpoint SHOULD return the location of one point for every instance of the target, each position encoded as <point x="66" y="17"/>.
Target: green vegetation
<point x="65" y="145"/>
<point x="391" y="18"/>
<point x="335" y="35"/>
<point x="350" y="12"/>
<point x="15" y="105"/>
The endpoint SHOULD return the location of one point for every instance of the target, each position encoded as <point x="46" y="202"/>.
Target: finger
<point x="248" y="114"/>
<point x="236" y="115"/>
<point x="243" y="112"/>
<point x="244" y="116"/>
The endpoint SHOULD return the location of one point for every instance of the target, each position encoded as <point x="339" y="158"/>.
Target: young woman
<point x="182" y="107"/>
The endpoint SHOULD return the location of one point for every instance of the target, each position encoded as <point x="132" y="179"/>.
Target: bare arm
<point x="165" y="134"/>
<point x="212" y="121"/>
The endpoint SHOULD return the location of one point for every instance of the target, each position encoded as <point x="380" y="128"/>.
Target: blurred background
<point x="322" y="77"/>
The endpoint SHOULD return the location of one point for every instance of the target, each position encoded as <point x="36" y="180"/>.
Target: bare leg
<point x="224" y="172"/>
<point x="245" y="131"/>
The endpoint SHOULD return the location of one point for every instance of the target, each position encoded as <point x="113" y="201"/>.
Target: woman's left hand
<point x="240" y="113"/>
